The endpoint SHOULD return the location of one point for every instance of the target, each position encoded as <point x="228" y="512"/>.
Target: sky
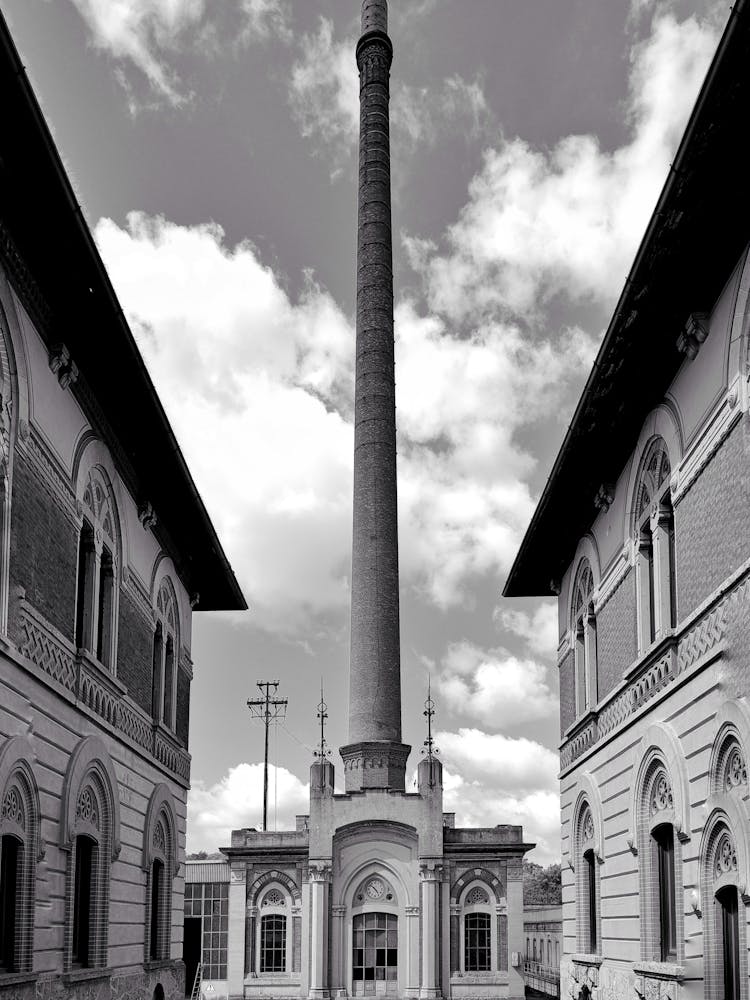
<point x="212" y="145"/>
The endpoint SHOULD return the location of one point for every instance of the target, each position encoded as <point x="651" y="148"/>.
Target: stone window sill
<point x="158" y="963"/>
<point x="660" y="970"/>
<point x="84" y="975"/>
<point x="17" y="978"/>
<point x="584" y="959"/>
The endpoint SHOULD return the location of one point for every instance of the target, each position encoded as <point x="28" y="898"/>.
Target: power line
<point x="267" y="709"/>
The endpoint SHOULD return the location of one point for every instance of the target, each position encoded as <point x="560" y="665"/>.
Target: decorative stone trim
<point x="695" y="332"/>
<point x="62" y="365"/>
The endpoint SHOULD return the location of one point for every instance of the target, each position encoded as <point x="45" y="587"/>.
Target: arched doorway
<point x="730" y="940"/>
<point x="375" y="954"/>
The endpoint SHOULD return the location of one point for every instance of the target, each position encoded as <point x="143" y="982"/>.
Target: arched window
<point x="97" y="590"/>
<point x="160" y="866"/>
<point x="89" y="828"/>
<point x="659" y="866"/>
<point x="19" y="848"/>
<point x="584" y="636"/>
<point x="587" y="881"/>
<point x="478" y="928"/>
<point x="723" y="875"/>
<point x="165" y="650"/>
<point x="273" y="939"/>
<point x="655" y="547"/>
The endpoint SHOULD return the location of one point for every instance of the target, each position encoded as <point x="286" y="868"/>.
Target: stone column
<point x="320" y="883"/>
<point x="589" y="640"/>
<point x="429" y="875"/>
<point x="643" y="583"/>
<point x="236" y="933"/>
<point x="661" y="518"/>
<point x="252" y="916"/>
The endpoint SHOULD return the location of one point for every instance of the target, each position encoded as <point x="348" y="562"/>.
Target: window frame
<point x="97" y="571"/>
<point x="268" y="907"/>
<point x="488" y="907"/>
<point x="20" y="821"/>
<point x="165" y="655"/>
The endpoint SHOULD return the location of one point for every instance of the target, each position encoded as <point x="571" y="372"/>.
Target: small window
<point x="11" y="853"/>
<point x="168" y="680"/>
<point x="664" y="844"/>
<point x="655" y="535"/>
<point x="273" y="943"/>
<point x="82" y="952"/>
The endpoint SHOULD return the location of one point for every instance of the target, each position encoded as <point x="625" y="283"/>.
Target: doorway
<point x="191" y="951"/>
<point x="375" y="955"/>
<point x="730" y="941"/>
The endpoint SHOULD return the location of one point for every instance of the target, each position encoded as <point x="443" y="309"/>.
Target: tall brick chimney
<point x="375" y="756"/>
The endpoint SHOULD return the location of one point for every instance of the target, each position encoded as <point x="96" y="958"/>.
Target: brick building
<point x="643" y="533"/>
<point x="105" y="549"/>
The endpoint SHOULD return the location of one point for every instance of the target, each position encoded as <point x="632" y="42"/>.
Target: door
<point x="375" y="955"/>
<point x="191" y="951"/>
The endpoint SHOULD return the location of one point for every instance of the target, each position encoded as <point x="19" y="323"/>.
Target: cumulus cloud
<point x="494" y="686"/>
<point x="566" y="221"/>
<point x="538" y="629"/>
<point x="236" y="801"/>
<point x="258" y="387"/>
<point x="324" y="96"/>
<point x="247" y="377"/>
<point x="147" y="33"/>
<point x="462" y="474"/>
<point x="490" y="779"/>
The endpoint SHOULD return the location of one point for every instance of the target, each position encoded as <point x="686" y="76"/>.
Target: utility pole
<point x="267" y="708"/>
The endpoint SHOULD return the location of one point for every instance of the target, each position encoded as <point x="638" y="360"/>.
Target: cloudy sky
<point x="212" y="144"/>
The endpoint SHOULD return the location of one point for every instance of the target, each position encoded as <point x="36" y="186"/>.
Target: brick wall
<point x="135" y="651"/>
<point x="43" y="548"/>
<point x="712" y="529"/>
<point x="183" y="707"/>
<point x="567" y="692"/>
<point x="616" y="636"/>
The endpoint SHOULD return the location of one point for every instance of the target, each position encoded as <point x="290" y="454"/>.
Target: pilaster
<point x="236" y="945"/>
<point x="430" y="874"/>
<point x="320" y="885"/>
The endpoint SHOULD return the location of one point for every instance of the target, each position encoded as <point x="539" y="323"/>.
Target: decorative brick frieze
<point x="700" y="640"/>
<point x="97" y="690"/>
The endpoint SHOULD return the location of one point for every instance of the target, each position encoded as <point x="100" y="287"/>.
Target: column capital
<point x="430" y="870"/>
<point x="320" y="871"/>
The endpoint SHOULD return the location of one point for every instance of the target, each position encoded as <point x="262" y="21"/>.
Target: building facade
<point x="643" y="534"/>
<point x="105" y="548"/>
<point x="542" y="929"/>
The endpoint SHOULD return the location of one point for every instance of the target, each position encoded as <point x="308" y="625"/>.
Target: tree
<point x="542" y="885"/>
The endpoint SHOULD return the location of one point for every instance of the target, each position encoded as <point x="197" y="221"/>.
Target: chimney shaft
<point x="375" y="756"/>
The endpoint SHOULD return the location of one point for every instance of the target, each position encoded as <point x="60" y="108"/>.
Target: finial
<point x="322" y="752"/>
<point x="429" y="710"/>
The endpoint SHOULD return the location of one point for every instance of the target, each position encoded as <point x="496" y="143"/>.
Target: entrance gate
<point x="375" y="957"/>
